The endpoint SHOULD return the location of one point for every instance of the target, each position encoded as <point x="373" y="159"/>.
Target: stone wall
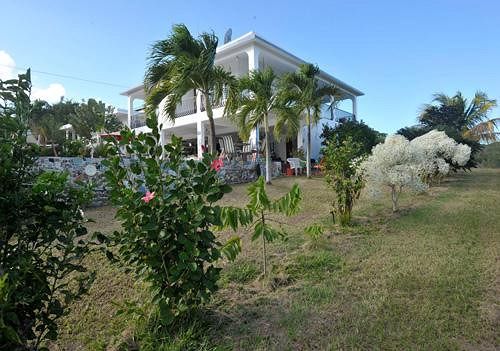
<point x="233" y="172"/>
<point x="75" y="166"/>
<point x="236" y="172"/>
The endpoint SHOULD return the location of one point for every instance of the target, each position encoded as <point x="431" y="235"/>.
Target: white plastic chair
<point x="294" y="164"/>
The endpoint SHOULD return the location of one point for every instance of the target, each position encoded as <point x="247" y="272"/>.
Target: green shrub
<point x="74" y="148"/>
<point x="356" y="130"/>
<point x="166" y="234"/>
<point x="341" y="165"/>
<point x="42" y="237"/>
<point x="100" y="150"/>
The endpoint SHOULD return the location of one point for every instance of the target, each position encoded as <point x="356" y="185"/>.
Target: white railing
<point x="220" y="103"/>
<point x="186" y="107"/>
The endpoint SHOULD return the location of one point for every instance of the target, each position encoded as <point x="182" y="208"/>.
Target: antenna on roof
<point x="227" y="36"/>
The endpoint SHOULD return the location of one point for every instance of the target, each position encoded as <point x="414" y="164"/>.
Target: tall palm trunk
<point x="308" y="151"/>
<point x="210" y="114"/>
<point x="268" y="152"/>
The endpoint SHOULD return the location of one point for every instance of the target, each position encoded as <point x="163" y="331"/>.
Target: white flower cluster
<point x="394" y="164"/>
<point x="435" y="151"/>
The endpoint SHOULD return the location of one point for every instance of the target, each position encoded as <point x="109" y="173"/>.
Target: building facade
<point x="240" y="56"/>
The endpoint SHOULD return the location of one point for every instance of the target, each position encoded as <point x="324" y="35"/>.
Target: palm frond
<point x="485" y="131"/>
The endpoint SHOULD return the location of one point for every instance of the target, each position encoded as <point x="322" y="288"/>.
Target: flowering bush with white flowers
<point x="395" y="165"/>
<point x="398" y="163"/>
<point x="436" y="153"/>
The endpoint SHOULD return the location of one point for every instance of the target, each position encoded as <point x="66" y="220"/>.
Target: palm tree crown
<point x="303" y="91"/>
<point x="468" y="118"/>
<point x="180" y="64"/>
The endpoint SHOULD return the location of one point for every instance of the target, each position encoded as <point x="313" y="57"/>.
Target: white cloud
<point x="7" y="64"/>
<point x="51" y="94"/>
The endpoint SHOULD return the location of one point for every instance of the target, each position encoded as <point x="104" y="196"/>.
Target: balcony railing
<point x="220" y="103"/>
<point x="341" y="115"/>
<point x="137" y="122"/>
<point x="186" y="107"/>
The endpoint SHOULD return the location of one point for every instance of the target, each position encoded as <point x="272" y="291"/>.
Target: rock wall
<point x="233" y="172"/>
<point x="237" y="172"/>
<point x="76" y="166"/>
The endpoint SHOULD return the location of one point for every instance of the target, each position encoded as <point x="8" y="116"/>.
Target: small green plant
<point x="342" y="173"/>
<point x="74" y="148"/>
<point x="260" y="207"/>
<point x="167" y="208"/>
<point x="315" y="232"/>
<point x="299" y="153"/>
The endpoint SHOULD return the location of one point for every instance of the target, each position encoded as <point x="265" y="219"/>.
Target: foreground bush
<point x="42" y="237"/>
<point x="167" y="210"/>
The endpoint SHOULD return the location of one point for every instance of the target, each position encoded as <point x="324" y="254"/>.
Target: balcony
<point x="221" y="103"/>
<point x="335" y="114"/>
<point x="138" y="121"/>
<point x="186" y="107"/>
<point x="342" y="116"/>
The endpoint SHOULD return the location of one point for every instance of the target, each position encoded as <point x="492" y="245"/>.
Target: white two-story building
<point x="239" y="56"/>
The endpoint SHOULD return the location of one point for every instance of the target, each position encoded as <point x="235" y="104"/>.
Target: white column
<point x="253" y="65"/>
<point x="130" y="111"/>
<point x="300" y="139"/>
<point x="254" y="139"/>
<point x="200" y="137"/>
<point x="198" y="101"/>
<point x="162" y="138"/>
<point x="355" y="107"/>
<point x="253" y="58"/>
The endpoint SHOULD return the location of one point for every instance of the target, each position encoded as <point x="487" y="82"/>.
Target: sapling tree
<point x="257" y="215"/>
<point x="344" y="176"/>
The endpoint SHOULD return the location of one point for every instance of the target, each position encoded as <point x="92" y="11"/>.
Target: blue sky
<point x="397" y="52"/>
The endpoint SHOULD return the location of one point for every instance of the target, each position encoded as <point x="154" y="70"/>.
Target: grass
<point x="424" y="278"/>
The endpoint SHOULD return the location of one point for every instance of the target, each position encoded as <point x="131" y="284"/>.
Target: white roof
<point x="66" y="127"/>
<point x="253" y="38"/>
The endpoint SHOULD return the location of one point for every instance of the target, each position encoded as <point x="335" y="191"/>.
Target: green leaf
<point x="225" y="188"/>
<point x="232" y="248"/>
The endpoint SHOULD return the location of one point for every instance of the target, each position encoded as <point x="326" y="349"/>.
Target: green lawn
<point x="425" y="278"/>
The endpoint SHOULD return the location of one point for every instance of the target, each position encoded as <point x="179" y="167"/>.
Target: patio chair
<point x="294" y="164"/>
<point x="227" y="146"/>
<point x="246" y="150"/>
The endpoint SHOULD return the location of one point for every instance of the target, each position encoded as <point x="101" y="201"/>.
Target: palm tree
<point x="46" y="119"/>
<point x="303" y="91"/>
<point x="180" y="64"/>
<point x="469" y="119"/>
<point x="256" y="98"/>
